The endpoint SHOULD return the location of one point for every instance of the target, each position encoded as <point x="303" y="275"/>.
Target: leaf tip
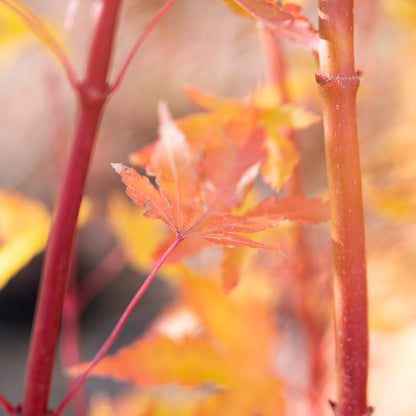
<point x="118" y="167"/>
<point x="163" y="112"/>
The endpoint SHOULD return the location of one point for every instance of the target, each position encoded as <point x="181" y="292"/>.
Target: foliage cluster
<point x="219" y="212"/>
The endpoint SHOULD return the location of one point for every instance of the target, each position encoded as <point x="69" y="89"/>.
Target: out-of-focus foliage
<point x="283" y="19"/>
<point x="230" y="356"/>
<point x="147" y="403"/>
<point x="273" y="116"/>
<point x="12" y="30"/>
<point x="202" y="171"/>
<point x="17" y="21"/>
<point x="402" y="10"/>
<point x="24" y="227"/>
<point x="272" y="279"/>
<point x="390" y="187"/>
<point x="388" y="111"/>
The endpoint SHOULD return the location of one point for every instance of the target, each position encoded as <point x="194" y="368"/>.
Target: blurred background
<point x="203" y="43"/>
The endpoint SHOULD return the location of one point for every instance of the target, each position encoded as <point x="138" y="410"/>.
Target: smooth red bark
<point x="338" y="84"/>
<point x="93" y="93"/>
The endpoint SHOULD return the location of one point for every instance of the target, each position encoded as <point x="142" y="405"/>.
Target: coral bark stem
<point x="338" y="84"/>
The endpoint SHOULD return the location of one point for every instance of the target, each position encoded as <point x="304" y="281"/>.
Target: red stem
<point x="93" y="94"/>
<point x="338" y="83"/>
<point x="92" y="284"/>
<point x="148" y="29"/>
<point x="69" y="348"/>
<point x="7" y="407"/>
<point x="110" y="340"/>
<point x="76" y="299"/>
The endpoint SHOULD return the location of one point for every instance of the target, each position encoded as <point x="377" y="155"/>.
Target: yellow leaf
<point x="233" y="263"/>
<point x="281" y="160"/>
<point x="24" y="227"/>
<point x="12" y="32"/>
<point x="402" y="10"/>
<point x="239" y="10"/>
<point x="139" y="236"/>
<point x="85" y="211"/>
<point x="391" y="265"/>
<point x="398" y="203"/>
<point x="273" y="113"/>
<point x="236" y="8"/>
<point x="16" y="21"/>
<point x="272" y="118"/>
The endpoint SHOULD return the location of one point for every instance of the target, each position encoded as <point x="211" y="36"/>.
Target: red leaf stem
<point x="146" y="32"/>
<point x="76" y="299"/>
<point x="92" y="284"/>
<point x="69" y="348"/>
<point x="110" y="340"/>
<point x="93" y="93"/>
<point x="7" y="407"/>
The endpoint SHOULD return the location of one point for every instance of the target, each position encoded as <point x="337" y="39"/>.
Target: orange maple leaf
<point x="205" y="129"/>
<point x="282" y="156"/>
<point x="195" y="192"/>
<point x="231" y="356"/>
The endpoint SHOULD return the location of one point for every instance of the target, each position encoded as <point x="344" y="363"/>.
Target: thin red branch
<point x="77" y="298"/>
<point x="338" y="84"/>
<point x="69" y="349"/>
<point x="109" y="267"/>
<point x="7" y="407"/>
<point x="146" y="32"/>
<point x="59" y="250"/>
<point x="110" y="340"/>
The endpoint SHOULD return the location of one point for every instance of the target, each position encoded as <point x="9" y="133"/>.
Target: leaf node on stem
<point x="322" y="79"/>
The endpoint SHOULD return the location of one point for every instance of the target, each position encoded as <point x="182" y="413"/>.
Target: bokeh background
<point x="204" y="44"/>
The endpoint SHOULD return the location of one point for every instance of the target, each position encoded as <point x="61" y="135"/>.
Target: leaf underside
<point x="282" y="19"/>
